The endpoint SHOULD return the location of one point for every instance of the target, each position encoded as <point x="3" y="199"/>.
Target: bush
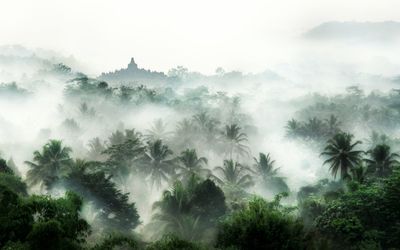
<point x="261" y="225"/>
<point x="172" y="242"/>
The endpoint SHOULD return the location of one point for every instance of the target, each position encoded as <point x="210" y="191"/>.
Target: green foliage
<point x="313" y="199"/>
<point x="26" y="223"/>
<point x="341" y="154"/>
<point x="189" y="164"/>
<point x="16" y="217"/>
<point x="190" y="210"/>
<point x="268" y="175"/>
<point x="116" y="241"/>
<point x="14" y="183"/>
<point x="10" y="180"/>
<point x="49" y="235"/>
<point x="158" y="163"/>
<point x="49" y="164"/>
<point x="314" y="129"/>
<point x="172" y="242"/>
<point x="261" y="225"/>
<point x="4" y="168"/>
<point x="124" y="152"/>
<point x="64" y="211"/>
<point x="83" y="86"/>
<point x="382" y="160"/>
<point x="367" y="214"/>
<point x="116" y="213"/>
<point x="234" y="178"/>
<point x="234" y="141"/>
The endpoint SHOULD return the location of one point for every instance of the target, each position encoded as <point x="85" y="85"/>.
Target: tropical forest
<point x="105" y="144"/>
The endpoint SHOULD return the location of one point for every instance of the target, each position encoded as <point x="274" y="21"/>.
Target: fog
<point x="239" y="35"/>
<point x="64" y="75"/>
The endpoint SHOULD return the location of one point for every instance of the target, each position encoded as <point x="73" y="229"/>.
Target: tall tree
<point x="96" y="149"/>
<point x="342" y="155"/>
<point x="158" y="131"/>
<point x="185" y="134"/>
<point x="122" y="158"/>
<point x="158" y="163"/>
<point x="265" y="166"/>
<point x="234" y="141"/>
<point x="233" y="174"/>
<point x="190" y="210"/>
<point x="116" y="213"/>
<point x="190" y="164"/>
<point x="49" y="164"/>
<point x="382" y="160"/>
<point x="265" y="169"/>
<point x="333" y="124"/>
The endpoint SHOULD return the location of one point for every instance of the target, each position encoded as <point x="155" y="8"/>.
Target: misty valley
<point x="140" y="159"/>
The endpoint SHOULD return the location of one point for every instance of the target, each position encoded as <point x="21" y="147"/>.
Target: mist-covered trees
<point x="342" y="155"/>
<point x="124" y="151"/>
<point x="382" y="160"/>
<point x="234" y="141"/>
<point x="233" y="177"/>
<point x="190" y="210"/>
<point x="54" y="168"/>
<point x="190" y="164"/>
<point x="261" y="225"/>
<point x="158" y="163"/>
<point x="266" y="172"/>
<point x="49" y="164"/>
<point x="314" y="129"/>
<point x="115" y="212"/>
<point x="365" y="217"/>
<point x="28" y="222"/>
<point x="120" y="173"/>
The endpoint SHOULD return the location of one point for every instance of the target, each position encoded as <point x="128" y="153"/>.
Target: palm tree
<point x="333" y="124"/>
<point x="233" y="174"/>
<point x="185" y="134"/>
<point x="189" y="209"/>
<point x="190" y="164"/>
<point x="314" y="128"/>
<point x="49" y="165"/>
<point x="265" y="166"/>
<point x="174" y="211"/>
<point x="382" y="160"/>
<point x="119" y="137"/>
<point x="204" y="121"/>
<point x="207" y="128"/>
<point x="96" y="149"/>
<point x="158" y="163"/>
<point x="158" y="131"/>
<point x="234" y="141"/>
<point x="341" y="154"/>
<point x="265" y="169"/>
<point x="375" y="139"/>
<point x="358" y="173"/>
<point x="293" y="127"/>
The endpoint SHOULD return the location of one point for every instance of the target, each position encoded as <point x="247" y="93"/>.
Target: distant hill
<point x="17" y="54"/>
<point x="373" y="31"/>
<point x="133" y="74"/>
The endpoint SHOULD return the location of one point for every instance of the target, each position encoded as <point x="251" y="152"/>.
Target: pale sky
<point x="201" y="35"/>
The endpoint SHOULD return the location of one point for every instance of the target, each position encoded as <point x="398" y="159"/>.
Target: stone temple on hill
<point x="133" y="74"/>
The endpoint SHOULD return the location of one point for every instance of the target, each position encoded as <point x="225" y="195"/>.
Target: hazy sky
<point x="201" y="35"/>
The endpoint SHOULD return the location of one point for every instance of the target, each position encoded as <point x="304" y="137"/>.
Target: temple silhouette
<point x="132" y="73"/>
